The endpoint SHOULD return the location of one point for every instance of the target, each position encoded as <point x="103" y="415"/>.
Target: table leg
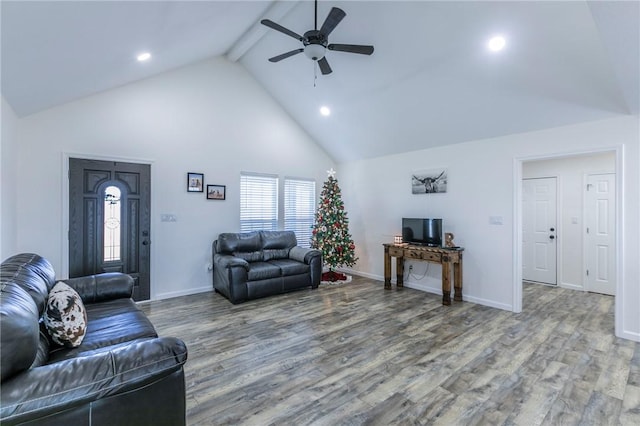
<point x="457" y="280"/>
<point x="446" y="281"/>
<point x="387" y="269"/>
<point x="399" y="272"/>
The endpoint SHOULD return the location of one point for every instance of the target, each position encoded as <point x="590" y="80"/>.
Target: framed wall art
<point x="195" y="182"/>
<point x="216" y="192"/>
<point x="429" y="181"/>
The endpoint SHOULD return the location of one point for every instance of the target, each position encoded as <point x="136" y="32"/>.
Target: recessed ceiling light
<point x="144" y="56"/>
<point x="325" y="111"/>
<point x="496" y="43"/>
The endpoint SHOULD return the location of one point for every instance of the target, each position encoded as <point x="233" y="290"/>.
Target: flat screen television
<point x="427" y="232"/>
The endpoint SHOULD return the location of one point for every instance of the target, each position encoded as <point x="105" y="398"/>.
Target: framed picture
<point x="195" y="182"/>
<point x="216" y="192"/>
<point x="429" y="181"/>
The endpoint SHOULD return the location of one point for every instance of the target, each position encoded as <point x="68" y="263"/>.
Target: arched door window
<point x="112" y="222"/>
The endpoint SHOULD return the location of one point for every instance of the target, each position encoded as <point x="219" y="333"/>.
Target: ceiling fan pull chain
<point x="315" y="73"/>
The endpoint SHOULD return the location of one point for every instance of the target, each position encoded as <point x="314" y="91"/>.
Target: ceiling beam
<point x="278" y="10"/>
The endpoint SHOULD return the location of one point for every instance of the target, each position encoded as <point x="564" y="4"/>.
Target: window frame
<point x="302" y="223"/>
<point x="282" y="219"/>
<point x="270" y="182"/>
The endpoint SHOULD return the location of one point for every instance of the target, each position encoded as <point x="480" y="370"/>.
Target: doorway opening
<point x="578" y="255"/>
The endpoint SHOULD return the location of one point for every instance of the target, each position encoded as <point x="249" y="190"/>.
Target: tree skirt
<point x="333" y="277"/>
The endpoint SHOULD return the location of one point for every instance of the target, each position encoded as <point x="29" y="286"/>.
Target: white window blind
<point x="258" y="202"/>
<point x="299" y="208"/>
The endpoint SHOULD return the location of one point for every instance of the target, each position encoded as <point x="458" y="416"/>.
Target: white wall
<point x="482" y="182"/>
<point x="211" y="118"/>
<point x="570" y="173"/>
<point x="8" y="181"/>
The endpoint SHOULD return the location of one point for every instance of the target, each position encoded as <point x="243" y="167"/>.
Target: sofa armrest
<point x="101" y="287"/>
<point x="230" y="275"/>
<point x="45" y="390"/>
<point x="227" y="261"/>
<point x="304" y="255"/>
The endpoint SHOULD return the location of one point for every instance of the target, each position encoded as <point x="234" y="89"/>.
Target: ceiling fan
<point x="316" y="42"/>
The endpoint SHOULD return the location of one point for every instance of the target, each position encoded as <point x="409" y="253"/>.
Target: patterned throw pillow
<point x="65" y="316"/>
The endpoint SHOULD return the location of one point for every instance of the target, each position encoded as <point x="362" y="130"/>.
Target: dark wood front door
<point x="109" y="220"/>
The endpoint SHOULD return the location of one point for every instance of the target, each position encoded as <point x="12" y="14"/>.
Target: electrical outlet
<point x="411" y="267"/>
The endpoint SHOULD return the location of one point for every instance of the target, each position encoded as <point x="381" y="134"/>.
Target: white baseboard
<point x="171" y="294"/>
<point x="434" y="290"/>
<point x="489" y="303"/>
<point x="360" y="274"/>
<point x="572" y="286"/>
<point x="630" y="335"/>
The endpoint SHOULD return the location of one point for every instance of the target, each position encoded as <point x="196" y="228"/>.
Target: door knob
<point x="552" y="229"/>
<point x="145" y="243"/>
<point x="551" y="237"/>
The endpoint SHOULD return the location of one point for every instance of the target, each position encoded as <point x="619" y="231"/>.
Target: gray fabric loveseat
<point x="119" y="373"/>
<point x="256" y="264"/>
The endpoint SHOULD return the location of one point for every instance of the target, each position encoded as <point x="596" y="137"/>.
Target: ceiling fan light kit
<point x="314" y="51"/>
<point x="316" y="42"/>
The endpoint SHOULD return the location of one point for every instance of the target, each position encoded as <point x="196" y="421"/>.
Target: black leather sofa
<point x="121" y="374"/>
<point x="256" y="264"/>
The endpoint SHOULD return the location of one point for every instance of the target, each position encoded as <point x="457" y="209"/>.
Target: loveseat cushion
<point x="229" y="243"/>
<point x="65" y="316"/>
<point x="108" y="323"/>
<point x="290" y="267"/>
<point x="18" y="323"/>
<point x="262" y="271"/>
<point x="276" y="244"/>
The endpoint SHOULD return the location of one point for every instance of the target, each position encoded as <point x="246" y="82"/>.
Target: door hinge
<point x="589" y="185"/>
<point x="587" y="229"/>
<point x="587" y="272"/>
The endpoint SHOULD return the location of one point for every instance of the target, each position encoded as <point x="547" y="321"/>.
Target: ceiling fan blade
<point x="286" y="55"/>
<point x="333" y="19"/>
<point x="352" y="48"/>
<point x="324" y="66"/>
<point x="269" y="23"/>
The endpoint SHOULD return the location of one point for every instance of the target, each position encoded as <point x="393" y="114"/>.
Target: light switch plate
<point x="495" y="220"/>
<point x="167" y="217"/>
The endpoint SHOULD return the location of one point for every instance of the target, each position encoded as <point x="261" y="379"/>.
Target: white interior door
<point x="600" y="233"/>
<point x="539" y="230"/>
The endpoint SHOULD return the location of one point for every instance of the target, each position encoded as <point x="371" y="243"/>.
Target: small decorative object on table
<point x="397" y="239"/>
<point x="448" y="240"/>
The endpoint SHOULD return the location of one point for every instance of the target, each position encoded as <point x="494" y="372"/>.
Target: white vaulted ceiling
<point x="431" y="80"/>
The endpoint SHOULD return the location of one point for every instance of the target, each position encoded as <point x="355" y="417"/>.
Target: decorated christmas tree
<point x="331" y="231"/>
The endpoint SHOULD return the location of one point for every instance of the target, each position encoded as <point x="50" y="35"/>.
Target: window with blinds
<point x="258" y="202"/>
<point x="299" y="208"/>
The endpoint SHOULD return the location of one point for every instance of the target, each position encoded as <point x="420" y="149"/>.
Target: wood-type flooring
<point x="355" y="354"/>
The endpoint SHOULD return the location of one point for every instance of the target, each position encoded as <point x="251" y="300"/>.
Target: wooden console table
<point x="442" y="255"/>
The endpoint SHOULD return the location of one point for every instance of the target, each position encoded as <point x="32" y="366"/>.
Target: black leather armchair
<point x="263" y="263"/>
<point x="121" y="374"/>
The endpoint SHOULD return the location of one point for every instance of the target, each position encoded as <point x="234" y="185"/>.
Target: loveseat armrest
<point x="66" y="385"/>
<point x="102" y="287"/>
<point x="227" y="261"/>
<point x="304" y="255"/>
